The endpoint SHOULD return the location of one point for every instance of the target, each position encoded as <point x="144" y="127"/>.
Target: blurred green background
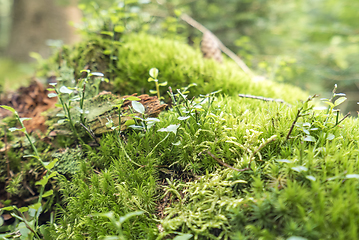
<point x="312" y="44"/>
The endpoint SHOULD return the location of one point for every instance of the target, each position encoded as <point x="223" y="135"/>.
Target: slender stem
<point x="158" y="145"/>
<point x="158" y="90"/>
<point x="271" y="139"/>
<point x="225" y="164"/>
<point x="27" y="224"/>
<point x="124" y="150"/>
<point x="347" y="115"/>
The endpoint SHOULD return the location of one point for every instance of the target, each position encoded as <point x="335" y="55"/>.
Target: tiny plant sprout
<point x="153" y="78"/>
<point x="154" y="73"/>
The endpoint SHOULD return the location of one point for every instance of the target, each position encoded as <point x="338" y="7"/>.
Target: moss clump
<point x="178" y="64"/>
<point x="294" y="187"/>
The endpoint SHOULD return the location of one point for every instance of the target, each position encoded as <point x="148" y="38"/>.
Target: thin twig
<point x="347" y="115"/>
<point x="221" y="46"/>
<point x="264" y="99"/>
<point x="28" y="188"/>
<point x="271" y="139"/>
<point x="90" y="133"/>
<point x="298" y="115"/>
<point x="293" y="124"/>
<point x="225" y="164"/>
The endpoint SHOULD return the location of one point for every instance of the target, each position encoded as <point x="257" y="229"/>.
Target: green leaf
<point x="48" y="193"/>
<point x="151" y="79"/>
<point x="50" y="165"/>
<point x="1" y="223"/>
<point x="8" y="208"/>
<point x="129" y="215"/>
<point x="136" y="127"/>
<point x="36" y="56"/>
<point x="110" y="238"/>
<point x="23" y="230"/>
<point x="162" y="84"/>
<point x="154" y="72"/>
<point x="340" y="101"/>
<point x="284" y="160"/>
<point x="311" y="178"/>
<point x="45" y="232"/>
<point x="23" y="209"/>
<point x="183" y="236"/>
<point x="62" y="120"/>
<point x="331" y="136"/>
<point x="192" y="85"/>
<point x="24" y="119"/>
<point x="107" y="52"/>
<point x="8" y="108"/>
<point x="330" y="104"/>
<point x="96" y="74"/>
<point x="51" y="95"/>
<point x="119" y="28"/>
<point x="107" y="33"/>
<point x="138" y="107"/>
<point x="176" y="143"/>
<point x="64" y="89"/>
<point x="296" y="238"/>
<point x="170" y="128"/>
<point x="300" y="169"/>
<point x="45" y="179"/>
<point x="309" y="139"/>
<point x="130" y="122"/>
<point x="152" y="120"/>
<point x="153" y="91"/>
<point x="17" y="129"/>
<point x="35" y="206"/>
<point x="183" y="118"/>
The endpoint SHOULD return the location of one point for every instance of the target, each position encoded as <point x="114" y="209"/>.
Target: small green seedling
<point x="154" y="74"/>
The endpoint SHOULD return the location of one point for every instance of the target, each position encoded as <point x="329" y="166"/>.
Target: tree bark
<point x="36" y="21"/>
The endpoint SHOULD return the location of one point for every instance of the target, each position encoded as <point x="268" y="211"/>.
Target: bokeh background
<point x="312" y="44"/>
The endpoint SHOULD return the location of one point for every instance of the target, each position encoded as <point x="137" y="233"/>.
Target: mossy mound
<point x="295" y="187"/>
<point x="178" y="64"/>
<point x="214" y="168"/>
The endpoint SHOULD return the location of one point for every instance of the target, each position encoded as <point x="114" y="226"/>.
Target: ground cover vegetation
<point x="213" y="165"/>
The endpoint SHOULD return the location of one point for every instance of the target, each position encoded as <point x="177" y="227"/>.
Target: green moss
<point x="178" y="64"/>
<point x="309" y="194"/>
<point x="295" y="186"/>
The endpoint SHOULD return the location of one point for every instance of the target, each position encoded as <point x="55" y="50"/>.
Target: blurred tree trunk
<point x="35" y="21"/>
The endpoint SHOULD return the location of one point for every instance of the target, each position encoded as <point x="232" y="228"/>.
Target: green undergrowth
<point x="178" y="64"/>
<point x="302" y="186"/>
<point x="220" y="167"/>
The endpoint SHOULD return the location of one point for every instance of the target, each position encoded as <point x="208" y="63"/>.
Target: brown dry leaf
<point x="29" y="102"/>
